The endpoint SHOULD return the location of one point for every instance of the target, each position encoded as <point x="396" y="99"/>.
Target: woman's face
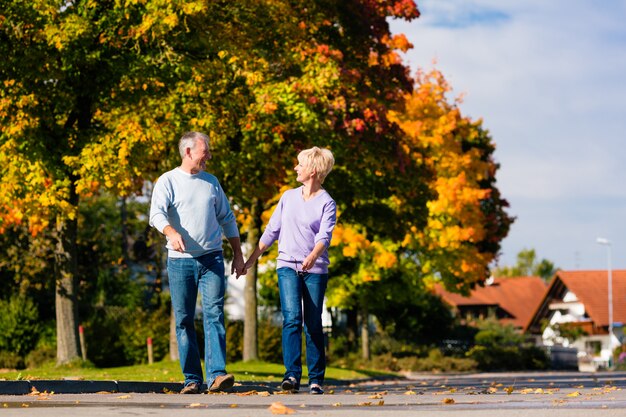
<point x="304" y="172"/>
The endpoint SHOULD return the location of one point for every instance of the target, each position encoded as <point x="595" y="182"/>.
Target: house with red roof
<point x="580" y="300"/>
<point x="511" y="300"/>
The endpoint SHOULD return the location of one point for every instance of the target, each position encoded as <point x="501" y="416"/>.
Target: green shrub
<point x="138" y="326"/>
<point x="20" y="325"/>
<point x="500" y="347"/>
<point x="234" y="340"/>
<point x="269" y="340"/>
<point x="11" y="360"/>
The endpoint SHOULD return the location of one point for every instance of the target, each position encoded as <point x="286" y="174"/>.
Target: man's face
<point x="199" y="154"/>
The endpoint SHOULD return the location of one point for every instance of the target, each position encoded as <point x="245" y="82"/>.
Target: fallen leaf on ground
<point x="448" y="401"/>
<point x="280" y="408"/>
<point x="573" y="394"/>
<point x="245" y="394"/>
<point x="196" y="405"/>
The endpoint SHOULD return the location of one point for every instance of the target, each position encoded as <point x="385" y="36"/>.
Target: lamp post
<point x="607" y="243"/>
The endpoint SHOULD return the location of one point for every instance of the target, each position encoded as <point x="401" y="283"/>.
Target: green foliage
<point x="501" y="347"/>
<point x="408" y="313"/>
<point x="20" y="325"/>
<point x="270" y="340"/>
<point x="138" y="326"/>
<point x="11" y="360"/>
<point x="234" y="340"/>
<point x="527" y="265"/>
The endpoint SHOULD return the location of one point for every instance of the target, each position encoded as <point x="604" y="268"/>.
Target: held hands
<point x="238" y="267"/>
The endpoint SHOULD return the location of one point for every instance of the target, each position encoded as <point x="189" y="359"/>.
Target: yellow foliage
<point x="435" y="127"/>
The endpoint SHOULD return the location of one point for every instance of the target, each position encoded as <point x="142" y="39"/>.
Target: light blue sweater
<point x="196" y="206"/>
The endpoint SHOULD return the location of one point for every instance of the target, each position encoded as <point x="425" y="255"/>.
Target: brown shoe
<point x="222" y="383"/>
<point x="191" y="388"/>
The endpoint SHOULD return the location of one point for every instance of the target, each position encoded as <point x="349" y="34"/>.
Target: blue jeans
<point x="298" y="291"/>
<point x="187" y="276"/>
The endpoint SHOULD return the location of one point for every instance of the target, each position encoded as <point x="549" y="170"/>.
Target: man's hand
<point x="238" y="266"/>
<point x="175" y="239"/>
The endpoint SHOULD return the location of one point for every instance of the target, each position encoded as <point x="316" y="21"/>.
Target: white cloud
<point x="547" y="78"/>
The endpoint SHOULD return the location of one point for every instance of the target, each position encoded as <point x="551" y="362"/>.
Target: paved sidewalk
<point x="481" y="395"/>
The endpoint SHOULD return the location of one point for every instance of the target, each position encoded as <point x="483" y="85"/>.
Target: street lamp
<point x="607" y="243"/>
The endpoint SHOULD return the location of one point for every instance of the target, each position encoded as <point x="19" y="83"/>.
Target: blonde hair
<point x="321" y="160"/>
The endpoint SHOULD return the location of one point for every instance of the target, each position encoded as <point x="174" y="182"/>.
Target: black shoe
<point x="191" y="388"/>
<point x="290" y="384"/>
<point x="315" y="389"/>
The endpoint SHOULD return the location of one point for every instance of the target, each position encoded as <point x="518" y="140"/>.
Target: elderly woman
<point x="303" y="224"/>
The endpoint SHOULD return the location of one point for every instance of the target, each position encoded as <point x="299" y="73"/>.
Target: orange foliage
<point x="439" y="136"/>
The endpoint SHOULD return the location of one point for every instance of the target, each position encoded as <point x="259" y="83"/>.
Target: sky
<point x="548" y="78"/>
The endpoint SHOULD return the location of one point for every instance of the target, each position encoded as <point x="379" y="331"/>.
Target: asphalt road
<point x="425" y="395"/>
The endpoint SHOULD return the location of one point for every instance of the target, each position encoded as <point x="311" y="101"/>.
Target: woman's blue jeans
<point x="303" y="292"/>
<point x="187" y="277"/>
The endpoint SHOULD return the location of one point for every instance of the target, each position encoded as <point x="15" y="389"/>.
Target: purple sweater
<point x="298" y="225"/>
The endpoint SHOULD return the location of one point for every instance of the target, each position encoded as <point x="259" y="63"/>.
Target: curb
<point x="85" y="387"/>
<point x="58" y="386"/>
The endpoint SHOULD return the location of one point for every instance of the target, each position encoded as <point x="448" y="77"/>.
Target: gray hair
<point x="188" y="140"/>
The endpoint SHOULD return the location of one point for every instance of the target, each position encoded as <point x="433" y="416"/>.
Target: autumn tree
<point x="450" y="235"/>
<point x="91" y="101"/>
<point x="467" y="219"/>
<point x="95" y="95"/>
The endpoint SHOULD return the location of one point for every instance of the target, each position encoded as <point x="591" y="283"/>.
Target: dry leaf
<point x="573" y="394"/>
<point x="244" y="394"/>
<point x="492" y="390"/>
<point x="365" y="404"/>
<point x="280" y="408"/>
<point x="264" y="394"/>
<point x="124" y="397"/>
<point x="508" y="390"/>
<point x="448" y="401"/>
<point x="375" y="397"/>
<point x="381" y="402"/>
<point x="526" y="391"/>
<point x="195" y="405"/>
<point x="234" y="406"/>
<point x="409" y="393"/>
<point x="336" y="404"/>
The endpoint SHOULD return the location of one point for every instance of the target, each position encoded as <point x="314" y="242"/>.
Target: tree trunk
<point x="250" y="324"/>
<point x="68" y="342"/>
<point x="351" y="329"/>
<point x="365" y="335"/>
